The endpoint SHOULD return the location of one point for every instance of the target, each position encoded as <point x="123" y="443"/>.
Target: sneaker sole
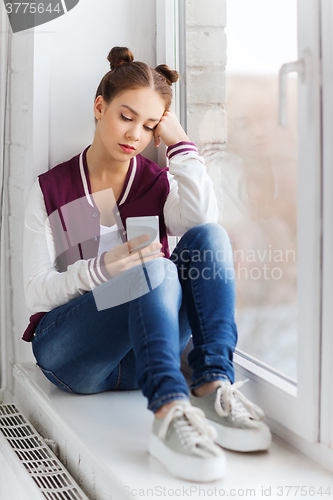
<point x="185" y="466"/>
<point x="236" y="439"/>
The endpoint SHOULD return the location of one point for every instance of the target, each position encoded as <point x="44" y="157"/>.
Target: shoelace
<point x="192" y="428"/>
<point x="235" y="403"/>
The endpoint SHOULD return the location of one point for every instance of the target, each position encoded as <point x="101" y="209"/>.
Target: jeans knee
<point x="207" y="243"/>
<point x="211" y="233"/>
<point x="212" y="229"/>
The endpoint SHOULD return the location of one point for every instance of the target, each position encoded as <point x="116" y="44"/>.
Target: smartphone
<point x="138" y="226"/>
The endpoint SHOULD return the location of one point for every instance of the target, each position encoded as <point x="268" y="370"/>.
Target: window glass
<point x="232" y="112"/>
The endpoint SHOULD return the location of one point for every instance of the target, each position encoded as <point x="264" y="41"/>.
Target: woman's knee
<point x="209" y="234"/>
<point x="206" y="243"/>
<point x="209" y="229"/>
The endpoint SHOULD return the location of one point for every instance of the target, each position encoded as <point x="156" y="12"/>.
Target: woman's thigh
<point x="79" y="347"/>
<point x="84" y="346"/>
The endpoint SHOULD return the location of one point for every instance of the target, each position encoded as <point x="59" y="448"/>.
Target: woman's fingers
<point x="125" y="263"/>
<point x="134" y="242"/>
<point x="132" y="245"/>
<point x="120" y="258"/>
<point x="129" y="246"/>
<point x="142" y="255"/>
<point x="170" y="130"/>
<point x="124" y="249"/>
<point x="157" y="140"/>
<point x="142" y="252"/>
<point x="142" y="258"/>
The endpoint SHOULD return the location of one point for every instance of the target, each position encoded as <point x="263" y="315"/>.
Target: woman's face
<point x="126" y="125"/>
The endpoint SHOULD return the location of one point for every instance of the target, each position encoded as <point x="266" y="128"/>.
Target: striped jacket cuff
<point x="97" y="271"/>
<point x="181" y="148"/>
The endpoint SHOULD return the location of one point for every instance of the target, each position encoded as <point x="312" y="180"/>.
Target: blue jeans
<point x="137" y="344"/>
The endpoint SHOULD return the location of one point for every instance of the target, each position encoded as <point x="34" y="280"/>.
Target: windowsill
<point x="111" y="432"/>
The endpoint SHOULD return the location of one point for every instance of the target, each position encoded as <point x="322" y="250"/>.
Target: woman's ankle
<point x="206" y="388"/>
<point x="163" y="410"/>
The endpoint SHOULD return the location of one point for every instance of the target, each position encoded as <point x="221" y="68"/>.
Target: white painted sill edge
<point x="322" y="455"/>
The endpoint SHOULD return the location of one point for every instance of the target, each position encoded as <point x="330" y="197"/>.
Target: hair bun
<point x="170" y="75"/>
<point x="118" y="56"/>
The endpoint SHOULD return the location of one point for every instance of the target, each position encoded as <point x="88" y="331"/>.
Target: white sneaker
<point x="183" y="442"/>
<point x="236" y="419"/>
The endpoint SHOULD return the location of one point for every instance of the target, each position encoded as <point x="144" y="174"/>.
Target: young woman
<point x="109" y="316"/>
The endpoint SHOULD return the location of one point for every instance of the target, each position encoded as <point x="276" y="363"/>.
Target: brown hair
<point x="127" y="74"/>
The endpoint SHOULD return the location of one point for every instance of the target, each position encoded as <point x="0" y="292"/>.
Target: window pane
<point x="253" y="166"/>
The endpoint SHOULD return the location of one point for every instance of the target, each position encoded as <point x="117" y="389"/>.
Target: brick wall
<point x="205" y="71"/>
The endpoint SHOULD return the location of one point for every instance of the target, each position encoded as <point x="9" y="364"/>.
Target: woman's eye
<point x="130" y="120"/>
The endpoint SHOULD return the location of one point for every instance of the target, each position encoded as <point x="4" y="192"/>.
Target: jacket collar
<point x="86" y="181"/>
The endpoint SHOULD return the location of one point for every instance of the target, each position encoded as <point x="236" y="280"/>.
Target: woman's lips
<point x="126" y="148"/>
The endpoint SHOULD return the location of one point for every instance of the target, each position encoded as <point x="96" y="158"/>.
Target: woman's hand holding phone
<point x="120" y="259"/>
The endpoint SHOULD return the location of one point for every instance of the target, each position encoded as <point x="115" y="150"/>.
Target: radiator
<point x="29" y="468"/>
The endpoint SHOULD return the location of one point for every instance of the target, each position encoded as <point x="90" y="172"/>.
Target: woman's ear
<point x="98" y="107"/>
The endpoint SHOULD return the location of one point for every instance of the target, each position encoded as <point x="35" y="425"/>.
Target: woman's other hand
<point x="119" y="259"/>
<point x="169" y="130"/>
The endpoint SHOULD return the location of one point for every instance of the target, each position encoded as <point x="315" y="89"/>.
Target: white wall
<point x="55" y="73"/>
<point x="79" y="46"/>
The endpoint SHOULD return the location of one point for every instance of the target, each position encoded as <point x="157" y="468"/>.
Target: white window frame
<point x="167" y="42"/>
<point x="297" y="407"/>
<point x="4" y="58"/>
<point x="326" y="417"/>
<point x="303" y="413"/>
<point x="167" y="32"/>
